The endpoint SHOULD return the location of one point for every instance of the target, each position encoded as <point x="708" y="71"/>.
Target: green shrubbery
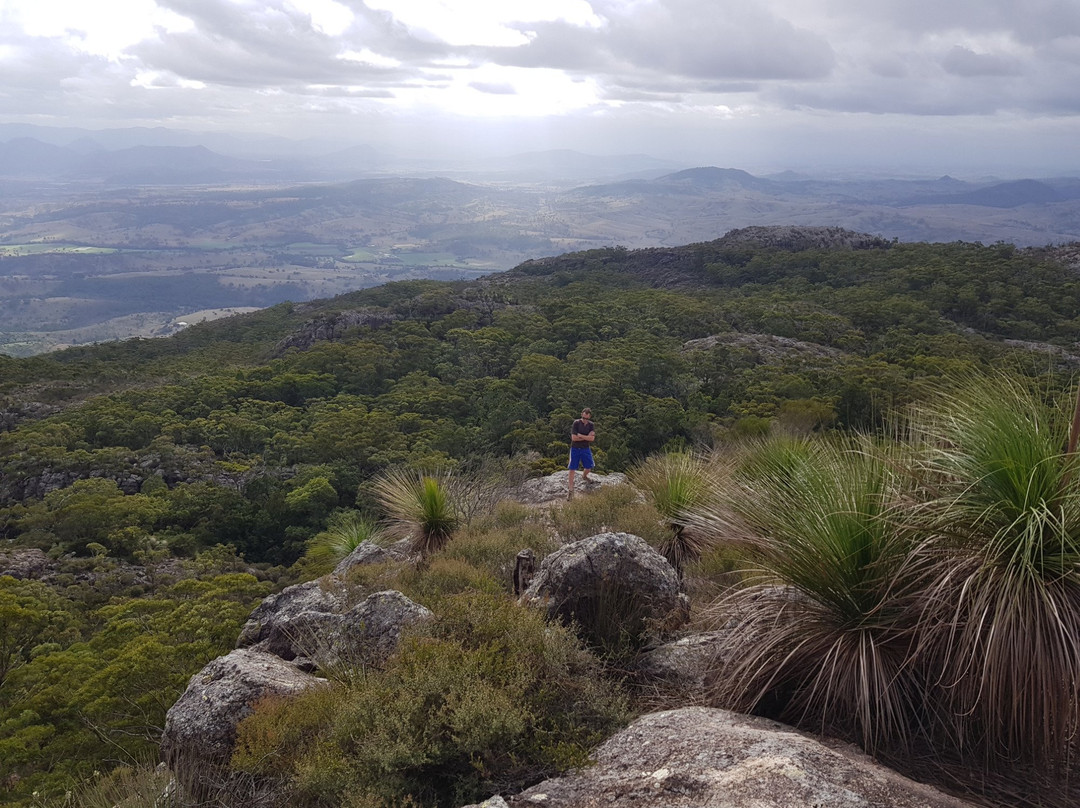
<point x="256" y="453"/>
<point x="490" y="698"/>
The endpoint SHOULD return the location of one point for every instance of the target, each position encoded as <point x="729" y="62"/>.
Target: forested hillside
<point x="169" y="484"/>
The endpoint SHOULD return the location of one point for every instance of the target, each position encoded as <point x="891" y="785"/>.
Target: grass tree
<point x="422" y="506"/>
<point x="1003" y="611"/>
<point x="823" y="638"/>
<point x="676" y="483"/>
<point x="345" y="531"/>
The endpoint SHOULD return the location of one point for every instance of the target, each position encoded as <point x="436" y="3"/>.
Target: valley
<point x="83" y="260"/>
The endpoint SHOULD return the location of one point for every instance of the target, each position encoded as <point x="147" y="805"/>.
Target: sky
<point x="925" y="86"/>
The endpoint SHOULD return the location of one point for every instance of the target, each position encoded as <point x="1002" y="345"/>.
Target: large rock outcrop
<point x="611" y="582"/>
<point x="364" y="636"/>
<point x="26" y="563"/>
<point x="200" y="728"/>
<point x="698" y="757"/>
<point x="276" y="611"/>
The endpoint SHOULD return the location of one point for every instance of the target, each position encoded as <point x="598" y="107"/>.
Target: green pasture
<point x="429" y="259"/>
<point x="18" y="250"/>
<point x="361" y="257"/>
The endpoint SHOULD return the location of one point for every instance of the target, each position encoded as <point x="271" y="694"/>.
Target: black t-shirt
<point x="581" y="427"/>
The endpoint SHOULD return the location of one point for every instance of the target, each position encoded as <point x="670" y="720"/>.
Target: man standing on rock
<point x="582" y="434"/>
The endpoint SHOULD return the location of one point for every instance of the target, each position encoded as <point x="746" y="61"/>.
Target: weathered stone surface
<point x="364" y="636"/>
<point x="278" y="610"/>
<point x="200" y="728"/>
<point x="25" y="563"/>
<point x="369" y="552"/>
<point x="582" y="581"/>
<point x="767" y="348"/>
<point x="524" y="570"/>
<point x="332" y="327"/>
<point x="802" y="237"/>
<point x="494" y="802"/>
<point x="541" y="490"/>
<point x="697" y="757"/>
<point x="680" y="667"/>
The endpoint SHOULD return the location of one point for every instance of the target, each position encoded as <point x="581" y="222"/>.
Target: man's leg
<point x="572" y="466"/>
<point x="587" y="463"/>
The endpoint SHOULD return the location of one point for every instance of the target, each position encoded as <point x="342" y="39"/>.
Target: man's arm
<point x="589" y="436"/>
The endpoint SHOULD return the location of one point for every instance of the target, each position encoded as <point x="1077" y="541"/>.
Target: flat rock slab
<point x="553" y="488"/>
<point x="699" y="757"/>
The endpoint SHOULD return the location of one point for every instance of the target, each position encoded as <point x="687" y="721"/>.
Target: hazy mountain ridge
<point x="179" y="227"/>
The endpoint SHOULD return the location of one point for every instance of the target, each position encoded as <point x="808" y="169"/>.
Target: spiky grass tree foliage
<point x="345" y="531"/>
<point x="823" y="639"/>
<point x="675" y="483"/>
<point x="1003" y="612"/>
<point x="421" y="506"/>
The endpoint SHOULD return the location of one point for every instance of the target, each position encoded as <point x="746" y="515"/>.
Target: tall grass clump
<point x="345" y="531"/>
<point x="421" y="506"/>
<point x="676" y="482"/>
<point x="1002" y="520"/>
<point x="823" y="639"/>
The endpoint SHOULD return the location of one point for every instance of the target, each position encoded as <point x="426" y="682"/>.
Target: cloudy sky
<point x="924" y="85"/>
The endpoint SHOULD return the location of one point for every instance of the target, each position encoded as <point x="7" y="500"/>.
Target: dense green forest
<point x="173" y="483"/>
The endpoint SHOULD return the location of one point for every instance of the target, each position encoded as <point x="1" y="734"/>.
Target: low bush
<point x="442" y="577"/>
<point x="616" y="508"/>
<point x="494" y="549"/>
<point x="488" y="698"/>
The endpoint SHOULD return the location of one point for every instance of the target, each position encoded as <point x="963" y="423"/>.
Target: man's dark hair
<point x="586" y="411"/>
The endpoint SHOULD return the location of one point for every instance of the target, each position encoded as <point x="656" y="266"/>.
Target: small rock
<point x="492" y="802"/>
<point x="682" y="666"/>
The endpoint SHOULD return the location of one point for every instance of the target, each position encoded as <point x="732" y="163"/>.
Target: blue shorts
<point x="581" y="456"/>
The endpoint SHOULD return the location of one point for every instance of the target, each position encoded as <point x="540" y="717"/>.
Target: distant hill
<point x="139" y="165"/>
<point x="1001" y="195"/>
<point x="713" y="178"/>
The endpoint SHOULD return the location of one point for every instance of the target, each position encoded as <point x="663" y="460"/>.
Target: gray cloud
<point x="683" y="42"/>
<point x="278" y="46"/>
<point x="676" y="70"/>
<point x="961" y="61"/>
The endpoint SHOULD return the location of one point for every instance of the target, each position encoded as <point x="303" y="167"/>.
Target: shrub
<point x="495" y="550"/>
<point x="615" y="508"/>
<point x="676" y="482"/>
<point x="442" y="577"/>
<point x="489" y="698"/>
